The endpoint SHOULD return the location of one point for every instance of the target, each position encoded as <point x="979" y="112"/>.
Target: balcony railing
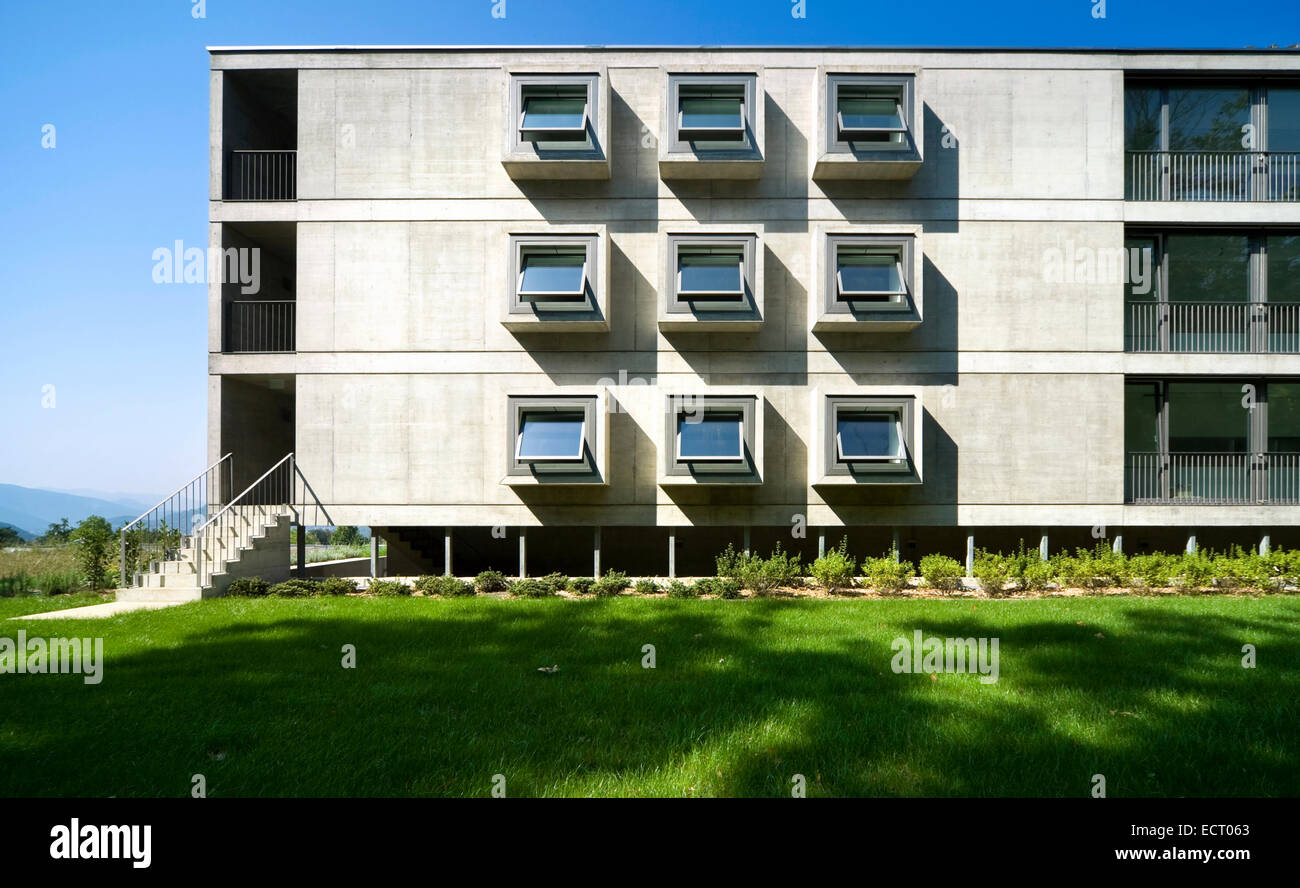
<point x="262" y="175"/>
<point x="1213" y="327"/>
<point x="1213" y="175"/>
<point x="257" y="326"/>
<point x="1212" y="478"/>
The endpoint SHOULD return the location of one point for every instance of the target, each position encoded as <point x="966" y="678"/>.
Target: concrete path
<point x="94" y="611"/>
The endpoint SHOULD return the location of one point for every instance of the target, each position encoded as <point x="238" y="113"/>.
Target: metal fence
<point x="162" y="532"/>
<point x="1212" y="478"/>
<point x="259" y="326"/>
<point x="262" y="175"/>
<point x="1213" y="327"/>
<point x="1213" y="175"/>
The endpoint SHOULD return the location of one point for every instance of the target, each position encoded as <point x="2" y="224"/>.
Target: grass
<point x="446" y="694"/>
<point x="21" y="605"/>
<point x="317" y="553"/>
<point x="51" y="569"/>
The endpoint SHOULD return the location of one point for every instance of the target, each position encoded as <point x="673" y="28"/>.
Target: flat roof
<point x="1295" y="48"/>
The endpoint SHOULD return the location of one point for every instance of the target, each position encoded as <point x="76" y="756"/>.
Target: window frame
<point x="521" y="245"/>
<point x="677" y="302"/>
<point x="902" y="244"/>
<point x="746" y="148"/>
<point x="904" y="410"/>
<point x="585" y="129"/>
<point x="712" y="468"/>
<point x="527" y="412"/>
<point x="834" y="144"/>
<point x="586" y="468"/>
<point x="589" y="148"/>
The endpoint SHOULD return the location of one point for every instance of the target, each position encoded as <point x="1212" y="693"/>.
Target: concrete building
<point x="573" y="309"/>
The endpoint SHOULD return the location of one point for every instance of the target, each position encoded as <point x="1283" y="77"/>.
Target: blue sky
<point x="125" y="86"/>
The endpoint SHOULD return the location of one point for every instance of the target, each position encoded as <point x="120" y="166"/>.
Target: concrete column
<point x="446" y="551"/>
<point x="746" y="539"/>
<point x="672" y="554"/>
<point x="895" y="546"/>
<point x="374" y="554"/>
<point x="1191" y="543"/>
<point x="1117" y="546"/>
<point x="821" y="542"/>
<point x="301" y="553"/>
<point x="523" y="552"/>
<point x="595" y="559"/>
<point x="1042" y="547"/>
<point x="970" y="555"/>
<point x="1265" y="544"/>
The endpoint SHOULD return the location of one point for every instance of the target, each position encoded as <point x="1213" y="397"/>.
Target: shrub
<point x="581" y="585"/>
<point x="490" y="581"/>
<point x="835" y="569"/>
<point x="531" y="587"/>
<point x="941" y="572"/>
<point x="94" y="538"/>
<point x="760" y="575"/>
<point x="991" y="571"/>
<point x="612" y="583"/>
<point x="337" y="586"/>
<point x="248" y="587"/>
<point x="303" y="588"/>
<point x="1035" y="575"/>
<point x="645" y="587"/>
<point x="1196" y="570"/>
<point x="387" y="588"/>
<point x="721" y="587"/>
<point x="447" y="587"/>
<point x="678" y="589"/>
<point x="1156" y="569"/>
<point x="885" y="574"/>
<point x="555" y="582"/>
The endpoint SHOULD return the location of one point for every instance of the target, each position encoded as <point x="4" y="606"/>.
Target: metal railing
<point x="1212" y="478"/>
<point x="262" y="175"/>
<point x="281" y="490"/>
<point x="259" y="326"/>
<point x="1213" y="175"/>
<point x="1213" y="327"/>
<point x="162" y="532"/>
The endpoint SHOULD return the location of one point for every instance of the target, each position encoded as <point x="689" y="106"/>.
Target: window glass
<point x="868" y="273"/>
<point x="1208" y="118"/>
<point x="1283" y="119"/>
<point x="562" y="273"/>
<point x="862" y="435"/>
<point x="551" y="436"/>
<point x="710" y="435"/>
<point x="558" y="113"/>
<point x="1143" y="274"/>
<point x="860" y="111"/>
<point x="1141" y="417"/>
<point x="1284" y="268"/>
<point x="1142" y="118"/>
<point x="712" y="112"/>
<point x="1208" y="417"/>
<point x="711" y="273"/>
<point x="1284" y="417"/>
<point x="1208" y="267"/>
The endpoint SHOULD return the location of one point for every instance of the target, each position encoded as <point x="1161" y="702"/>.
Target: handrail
<point x="151" y="533"/>
<point x="245" y="492"/>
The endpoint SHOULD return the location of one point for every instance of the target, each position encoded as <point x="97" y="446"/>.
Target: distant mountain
<point x="138" y="502"/>
<point x="26" y="536"/>
<point x="32" y="510"/>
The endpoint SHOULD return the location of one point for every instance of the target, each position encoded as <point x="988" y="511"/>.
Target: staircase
<point x="248" y="536"/>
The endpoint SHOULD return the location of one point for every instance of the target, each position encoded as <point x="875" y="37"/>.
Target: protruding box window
<point x="713" y="126"/>
<point x="870" y="127"/>
<point x="557" y="281"/>
<point x="869" y="439"/>
<point x="712" y="439"/>
<point x="712" y="282"/>
<point x="555" y="440"/>
<point x="870" y="281"/>
<point x="557" y="126"/>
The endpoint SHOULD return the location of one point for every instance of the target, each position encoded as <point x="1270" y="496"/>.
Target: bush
<point x="885" y="574"/>
<point x="337" y="586"/>
<point x="388" y="588"/>
<point x="612" y="583"/>
<point x="94" y="539"/>
<point x="992" y="571"/>
<point x="447" y="587"/>
<point x="941" y="572"/>
<point x="645" y="587"/>
<point x="248" y="587"/>
<point x="678" y="589"/>
<point x="581" y="585"/>
<point x="721" y="587"/>
<point x="531" y="587"/>
<point x="1155" y="570"/>
<point x="303" y="588"/>
<point x="1196" y="570"/>
<point x="836" y="569"/>
<point x="490" y="581"/>
<point x="760" y="575"/>
<point x="556" y="582"/>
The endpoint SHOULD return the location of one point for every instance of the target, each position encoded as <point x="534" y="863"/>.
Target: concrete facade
<point x="404" y="362"/>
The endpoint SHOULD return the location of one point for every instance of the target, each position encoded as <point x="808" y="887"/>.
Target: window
<point x="869" y="274"/>
<point x="871" y="438"/>
<point x="712" y="438"/>
<point x="557" y="126"/>
<point x="554" y="439"/>
<point x="712" y="277"/>
<point x="554" y="113"/>
<point x="867" y="113"/>
<point x="713" y="126"/>
<point x="555" y="278"/>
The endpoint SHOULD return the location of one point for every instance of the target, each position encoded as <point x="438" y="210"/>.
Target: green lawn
<point x="21" y="605"/>
<point x="250" y="693"/>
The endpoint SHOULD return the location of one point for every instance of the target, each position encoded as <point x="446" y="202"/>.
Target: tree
<point x="347" y="535"/>
<point x="9" y="537"/>
<point x="58" y="534"/>
<point x="94" y="539"/>
<point x="320" y="536"/>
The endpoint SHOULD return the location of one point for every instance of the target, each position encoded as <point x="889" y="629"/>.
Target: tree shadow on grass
<point x="744" y="695"/>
